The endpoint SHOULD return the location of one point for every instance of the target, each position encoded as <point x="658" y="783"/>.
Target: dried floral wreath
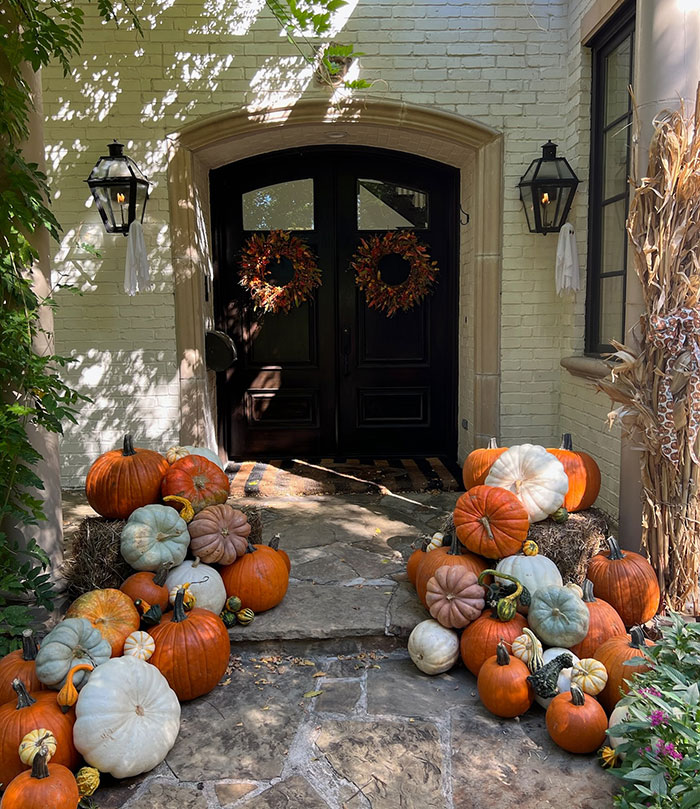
<point x="259" y="251"/>
<point x="394" y="297"/>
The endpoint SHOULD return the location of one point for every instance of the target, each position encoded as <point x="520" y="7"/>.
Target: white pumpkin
<point x="206" y="584"/>
<point x="127" y="717"/>
<point x="139" y="644"/>
<point x="535" y="476"/>
<point x="433" y="648"/>
<point x="564" y="679"/>
<point x="175" y="453"/>
<point x="619" y="715"/>
<point x="532" y="572"/>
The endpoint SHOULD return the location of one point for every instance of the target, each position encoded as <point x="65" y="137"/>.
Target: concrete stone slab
<point x="369" y="559"/>
<point x="113" y="793"/>
<point x="321" y="565"/>
<point x="492" y="757"/>
<point x="312" y="611"/>
<point x="339" y="696"/>
<point x="229" y="793"/>
<point x="293" y="793"/>
<point x="399" y="688"/>
<point x="405" y="610"/>
<point x="395" y="765"/>
<point x="162" y="795"/>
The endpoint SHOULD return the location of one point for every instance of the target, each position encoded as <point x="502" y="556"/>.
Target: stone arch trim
<point x="473" y="148"/>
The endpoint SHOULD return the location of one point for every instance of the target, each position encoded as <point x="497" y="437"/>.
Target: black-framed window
<point x="611" y="138"/>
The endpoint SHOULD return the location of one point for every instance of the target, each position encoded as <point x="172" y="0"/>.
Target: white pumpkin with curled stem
<point x="204" y="582"/>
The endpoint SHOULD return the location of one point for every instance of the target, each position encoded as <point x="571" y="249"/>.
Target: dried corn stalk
<point x="657" y="383"/>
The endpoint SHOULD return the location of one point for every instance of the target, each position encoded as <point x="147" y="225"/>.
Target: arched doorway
<point x="334" y="377"/>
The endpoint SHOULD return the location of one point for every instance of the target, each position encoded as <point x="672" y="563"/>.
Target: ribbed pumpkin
<point x="148" y="586"/>
<point x="627" y="582"/>
<point x="259" y="578"/>
<point x="583" y="473"/>
<point x="26" y="713"/>
<point x="604" y="623"/>
<point x="71" y="641"/>
<point x="46" y="786"/>
<point x="576" y="722"/>
<point x="612" y="654"/>
<point x="480" y="639"/>
<point x="122" y="480"/>
<point x="20" y="664"/>
<point x="111" y="612"/>
<point x="192" y="650"/>
<point x="198" y="480"/>
<point x="491" y="522"/>
<point x="479" y="462"/>
<point x="453" y="597"/>
<point x="219" y="534"/>
<point x="503" y="686"/>
<point x="446" y="555"/>
<point x="154" y="536"/>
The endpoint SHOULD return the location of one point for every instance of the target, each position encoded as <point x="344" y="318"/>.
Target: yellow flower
<point x="608" y="757"/>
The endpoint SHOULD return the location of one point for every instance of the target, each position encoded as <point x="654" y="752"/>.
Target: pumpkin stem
<point x="577" y="696"/>
<point x="587" y="588"/>
<point x="455" y="546"/>
<point x="251" y="548"/>
<point x="615" y="552"/>
<point x="566" y="442"/>
<point x="162" y="574"/>
<point x="424" y="544"/>
<point x="128" y="446"/>
<point x="636" y="642"/>
<point x="40" y="765"/>
<point x="29" y="648"/>
<point x="24" y="698"/>
<point x="493" y="444"/>
<point x="487" y="526"/>
<point x="274" y="543"/>
<point x="68" y="695"/>
<point x="502" y="656"/>
<point x="179" y="613"/>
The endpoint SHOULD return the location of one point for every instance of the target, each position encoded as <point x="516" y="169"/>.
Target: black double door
<point x="334" y="377"/>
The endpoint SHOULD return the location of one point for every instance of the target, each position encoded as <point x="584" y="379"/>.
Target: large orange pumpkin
<point x="259" y="578"/>
<point x="149" y="587"/>
<point x="604" y="623"/>
<point x="122" y="480"/>
<point x="46" y="786"/>
<point x="627" y="582"/>
<point x="503" y="686"/>
<point x="192" y="649"/>
<point x="583" y="473"/>
<point x="20" y="664"/>
<point x="576" y="722"/>
<point x="481" y="638"/>
<point x="28" y="712"/>
<point x="479" y="462"/>
<point x="198" y="480"/>
<point x="612" y="654"/>
<point x="446" y="555"/>
<point x="491" y="521"/>
<point x="111" y="612"/>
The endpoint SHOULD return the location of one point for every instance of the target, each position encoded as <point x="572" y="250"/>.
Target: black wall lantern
<point x="547" y="190"/>
<point x="120" y="190"/>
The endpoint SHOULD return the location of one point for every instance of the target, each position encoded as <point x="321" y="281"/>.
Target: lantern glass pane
<point x="141" y="197"/>
<point x="528" y="205"/>
<point x="103" y="198"/>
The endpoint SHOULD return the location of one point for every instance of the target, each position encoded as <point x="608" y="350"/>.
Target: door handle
<point x="346" y="348"/>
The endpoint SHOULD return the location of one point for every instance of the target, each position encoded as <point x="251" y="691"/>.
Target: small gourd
<point x="527" y="647"/>
<point x="188" y="600"/>
<point x="435" y="541"/>
<point x="186" y="512"/>
<point x="544" y="680"/>
<point x="87" y="779"/>
<point x="229" y="618"/>
<point x="590" y="675"/>
<point x="139" y="644"/>
<point x="245" y="616"/>
<point x="506" y="607"/>
<point x="32" y="743"/>
<point x="233" y="604"/>
<point x="575" y="588"/>
<point x="150" y="613"/>
<point x="561" y="515"/>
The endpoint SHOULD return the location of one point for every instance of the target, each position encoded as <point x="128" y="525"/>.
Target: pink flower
<point x="658" y="718"/>
<point x="653" y="692"/>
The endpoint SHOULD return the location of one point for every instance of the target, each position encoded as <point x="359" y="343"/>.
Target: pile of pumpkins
<point x="526" y="635"/>
<point x="122" y="660"/>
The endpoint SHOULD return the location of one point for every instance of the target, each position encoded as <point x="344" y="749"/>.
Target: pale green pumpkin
<point x="154" y="536"/>
<point x="558" y="616"/>
<point x="72" y="641"/>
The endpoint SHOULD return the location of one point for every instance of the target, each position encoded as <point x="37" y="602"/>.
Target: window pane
<point x="387" y="206"/>
<point x="617" y="79"/>
<point x="283" y="206"/>
<point x="614" y="238"/>
<point x="615" y="157"/>
<point x="611" y="314"/>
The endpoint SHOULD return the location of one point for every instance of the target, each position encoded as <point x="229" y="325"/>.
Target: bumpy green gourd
<point x="229" y="618"/>
<point x="544" y="680"/>
<point x="504" y="608"/>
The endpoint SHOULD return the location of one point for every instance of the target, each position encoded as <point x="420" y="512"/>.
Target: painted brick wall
<point x="507" y="64"/>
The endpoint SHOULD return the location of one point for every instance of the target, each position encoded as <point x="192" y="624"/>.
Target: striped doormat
<point x="277" y="478"/>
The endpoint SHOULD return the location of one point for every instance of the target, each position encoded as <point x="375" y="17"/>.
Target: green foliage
<point x="662" y="731"/>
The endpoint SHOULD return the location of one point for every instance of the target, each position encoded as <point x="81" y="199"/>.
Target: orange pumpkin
<point x="576" y="721"/>
<point x="612" y="654"/>
<point x="627" y="582"/>
<point x="259" y="578"/>
<point x="20" y="664"/>
<point x="481" y="638"/>
<point x="125" y="479"/>
<point x="583" y="473"/>
<point x="450" y="555"/>
<point x="111" y="612"/>
<point x="274" y="543"/>
<point x="503" y="686"/>
<point x="604" y="623"/>
<point x="28" y="712"/>
<point x="46" y="786"/>
<point x="414" y="560"/>
<point x="491" y="521"/>
<point x="192" y="649"/>
<point x="479" y="463"/>
<point x="149" y="587"/>
<point x="198" y="480"/>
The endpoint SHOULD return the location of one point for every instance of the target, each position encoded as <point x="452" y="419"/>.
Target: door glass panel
<point x="611" y="302"/>
<point x="283" y="206"/>
<point x="614" y="237"/>
<point x="615" y="150"/>
<point x="388" y="206"/>
<point x="617" y="79"/>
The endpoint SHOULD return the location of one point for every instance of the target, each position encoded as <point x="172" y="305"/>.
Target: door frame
<point x="474" y="148"/>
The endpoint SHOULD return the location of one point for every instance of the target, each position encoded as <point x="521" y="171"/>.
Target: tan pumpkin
<point x="453" y="597"/>
<point x="219" y="534"/>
